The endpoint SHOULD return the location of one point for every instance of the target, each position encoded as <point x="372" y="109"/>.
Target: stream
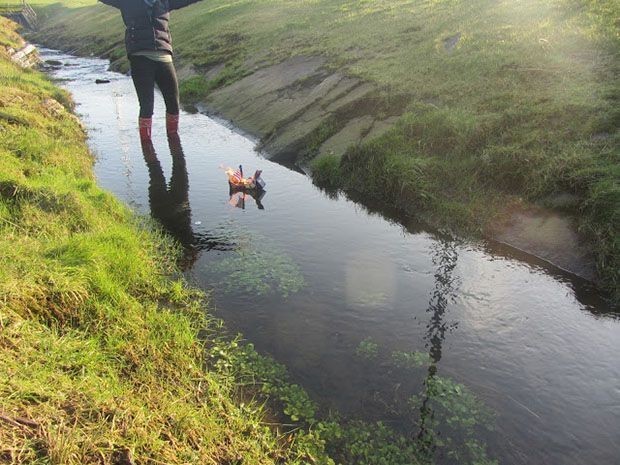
<point x="363" y="306"/>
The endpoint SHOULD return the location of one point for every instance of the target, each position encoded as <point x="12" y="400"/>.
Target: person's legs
<point x="143" y="76"/>
<point x="166" y="79"/>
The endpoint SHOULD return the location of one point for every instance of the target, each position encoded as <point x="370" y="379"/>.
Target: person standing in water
<point x="149" y="48"/>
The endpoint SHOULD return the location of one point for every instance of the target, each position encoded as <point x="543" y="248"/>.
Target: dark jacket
<point x="147" y="27"/>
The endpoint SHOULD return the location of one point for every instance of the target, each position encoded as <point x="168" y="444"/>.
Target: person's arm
<point x="176" y="4"/>
<point x="114" y="3"/>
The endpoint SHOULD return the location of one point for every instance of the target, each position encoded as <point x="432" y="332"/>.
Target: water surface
<point x="537" y="345"/>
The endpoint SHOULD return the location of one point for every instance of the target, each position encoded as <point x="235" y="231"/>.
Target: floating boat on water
<point x="238" y="182"/>
<point x="240" y="187"/>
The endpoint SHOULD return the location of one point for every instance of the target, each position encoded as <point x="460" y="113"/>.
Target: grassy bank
<point x="99" y="356"/>
<point x="510" y="103"/>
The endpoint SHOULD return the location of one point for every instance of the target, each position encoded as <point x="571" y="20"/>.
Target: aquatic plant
<point x="240" y="361"/>
<point x="359" y="442"/>
<point x="444" y="417"/>
<point x="367" y="349"/>
<point x="450" y="407"/>
<point x="410" y="359"/>
<point x="257" y="267"/>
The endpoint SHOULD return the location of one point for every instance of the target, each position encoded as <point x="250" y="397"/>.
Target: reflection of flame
<point x="237" y="200"/>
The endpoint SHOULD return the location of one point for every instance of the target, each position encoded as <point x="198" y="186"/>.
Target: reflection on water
<point x="169" y="203"/>
<point x="239" y="197"/>
<point x="537" y="345"/>
<point x="444" y="258"/>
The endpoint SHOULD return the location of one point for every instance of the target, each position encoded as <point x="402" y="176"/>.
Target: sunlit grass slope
<point x="507" y="100"/>
<point x="99" y="356"/>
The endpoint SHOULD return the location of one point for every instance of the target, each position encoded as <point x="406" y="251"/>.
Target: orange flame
<point x="235" y="181"/>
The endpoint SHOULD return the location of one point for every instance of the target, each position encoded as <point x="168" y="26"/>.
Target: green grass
<point x="9" y="39"/>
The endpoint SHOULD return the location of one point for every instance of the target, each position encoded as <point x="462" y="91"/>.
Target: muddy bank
<point x="300" y="108"/>
<point x="549" y="235"/>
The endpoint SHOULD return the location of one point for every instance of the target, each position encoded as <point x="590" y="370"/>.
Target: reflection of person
<point x="170" y="204"/>
<point x="149" y="48"/>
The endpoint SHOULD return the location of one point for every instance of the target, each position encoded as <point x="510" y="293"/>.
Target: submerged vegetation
<point x="443" y="416"/>
<point x="256" y="267"/>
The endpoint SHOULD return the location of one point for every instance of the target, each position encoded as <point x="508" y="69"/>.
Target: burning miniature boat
<point x="237" y="181"/>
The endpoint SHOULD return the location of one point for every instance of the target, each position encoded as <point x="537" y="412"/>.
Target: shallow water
<point x="538" y="346"/>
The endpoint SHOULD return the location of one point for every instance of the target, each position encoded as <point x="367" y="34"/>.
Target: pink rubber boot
<point x="172" y="124"/>
<point x="145" y="124"/>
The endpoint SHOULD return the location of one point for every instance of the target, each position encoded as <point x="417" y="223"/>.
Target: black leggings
<point x="145" y="74"/>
